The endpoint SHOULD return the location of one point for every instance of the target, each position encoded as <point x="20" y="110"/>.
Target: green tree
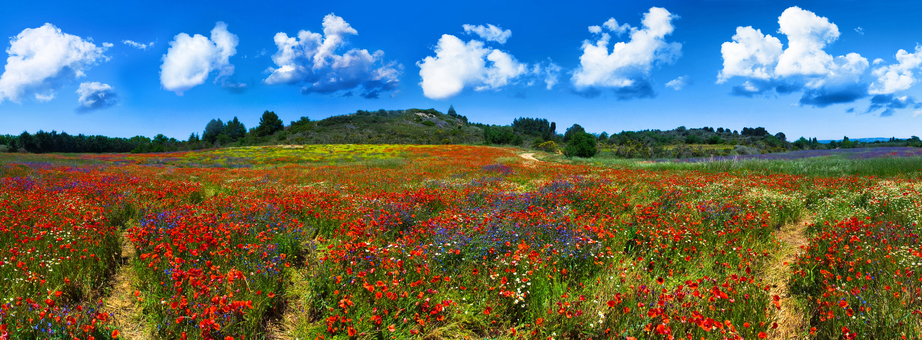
<point x="493" y="134"/>
<point x="572" y="131"/>
<point x="269" y="124"/>
<point x="451" y="111"/>
<point x="212" y="130"/>
<point x="581" y="145"/>
<point x="235" y="130"/>
<point x="302" y="124"/>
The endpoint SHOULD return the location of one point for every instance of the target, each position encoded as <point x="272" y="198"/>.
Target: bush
<point x="548" y="146"/>
<point x="581" y="145"/>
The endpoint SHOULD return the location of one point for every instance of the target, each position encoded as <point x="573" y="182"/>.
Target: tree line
<point x="429" y="126"/>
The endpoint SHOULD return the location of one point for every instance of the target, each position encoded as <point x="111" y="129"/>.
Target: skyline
<point x="810" y="68"/>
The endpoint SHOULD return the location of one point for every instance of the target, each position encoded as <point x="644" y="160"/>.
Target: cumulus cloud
<point x="191" y="60"/>
<point x="138" y="45"/>
<point x="897" y="77"/>
<point x="489" y="32"/>
<point x="311" y="60"/>
<point x="458" y="64"/>
<point x="803" y="66"/>
<point x="43" y="59"/>
<point x="95" y="96"/>
<point x="859" y="30"/>
<point x="626" y="69"/>
<point x="679" y="83"/>
<point x="890" y="103"/>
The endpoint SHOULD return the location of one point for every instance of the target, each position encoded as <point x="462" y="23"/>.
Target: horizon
<point x="823" y="69"/>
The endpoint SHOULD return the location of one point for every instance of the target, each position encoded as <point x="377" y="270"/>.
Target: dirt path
<point x="791" y="318"/>
<point x="529" y="156"/>
<point x="121" y="304"/>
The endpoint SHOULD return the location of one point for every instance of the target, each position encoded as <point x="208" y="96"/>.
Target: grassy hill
<point x="413" y="126"/>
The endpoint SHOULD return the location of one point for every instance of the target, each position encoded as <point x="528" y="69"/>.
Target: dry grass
<point x="791" y="318"/>
<point x="122" y="304"/>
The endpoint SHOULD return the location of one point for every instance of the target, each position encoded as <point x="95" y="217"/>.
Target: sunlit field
<point x="456" y="242"/>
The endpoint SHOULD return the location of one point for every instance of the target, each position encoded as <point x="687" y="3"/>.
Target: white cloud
<point x="679" y="83"/>
<point x="627" y="67"/>
<point x="807" y="35"/>
<point x="191" y="59"/>
<point x="751" y="55"/>
<point x="43" y="59"/>
<point x="455" y="64"/>
<point x="612" y="25"/>
<point x="138" y="45"/>
<point x="803" y="65"/>
<point x="95" y="95"/>
<point x="489" y="32"/>
<point x="311" y="59"/>
<point x="897" y="77"/>
<point x="458" y="64"/>
<point x="549" y="70"/>
<point x="859" y="30"/>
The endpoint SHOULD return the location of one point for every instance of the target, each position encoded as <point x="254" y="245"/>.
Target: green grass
<point x="827" y="166"/>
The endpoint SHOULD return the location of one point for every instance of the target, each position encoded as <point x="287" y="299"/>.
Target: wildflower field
<point x="450" y="242"/>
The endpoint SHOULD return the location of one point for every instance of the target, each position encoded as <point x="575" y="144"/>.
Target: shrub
<point x="581" y="145"/>
<point x="548" y="146"/>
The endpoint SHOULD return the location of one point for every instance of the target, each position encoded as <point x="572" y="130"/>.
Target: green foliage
<point x="493" y="134"/>
<point x="301" y="125"/>
<point x="212" y="130"/>
<point x="269" y="123"/>
<point x="573" y="131"/>
<point x="581" y="145"/>
<point x="536" y="127"/>
<point x="235" y="130"/>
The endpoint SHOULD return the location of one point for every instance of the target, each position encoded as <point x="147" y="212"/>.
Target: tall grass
<point x="827" y="166"/>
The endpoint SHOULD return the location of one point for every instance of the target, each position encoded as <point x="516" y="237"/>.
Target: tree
<point x="537" y="127"/>
<point x="303" y="124"/>
<point x="603" y="137"/>
<point x="269" y="123"/>
<point x="451" y="111"/>
<point x="159" y="143"/>
<point x="581" y="145"/>
<point x="501" y="135"/>
<point x="212" y="130"/>
<point x="235" y="130"/>
<point x="28" y="143"/>
<point x="781" y="137"/>
<point x="573" y="131"/>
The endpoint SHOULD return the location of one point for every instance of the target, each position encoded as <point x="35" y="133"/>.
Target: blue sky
<point x="807" y="68"/>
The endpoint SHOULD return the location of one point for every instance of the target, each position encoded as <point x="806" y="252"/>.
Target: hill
<point x="413" y="126"/>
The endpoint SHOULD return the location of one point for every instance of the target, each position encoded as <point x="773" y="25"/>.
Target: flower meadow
<point x="446" y="242"/>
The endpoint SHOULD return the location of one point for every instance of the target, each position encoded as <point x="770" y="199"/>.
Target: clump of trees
<point x="535" y="127"/>
<point x="49" y="142"/>
<point x="581" y="144"/>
